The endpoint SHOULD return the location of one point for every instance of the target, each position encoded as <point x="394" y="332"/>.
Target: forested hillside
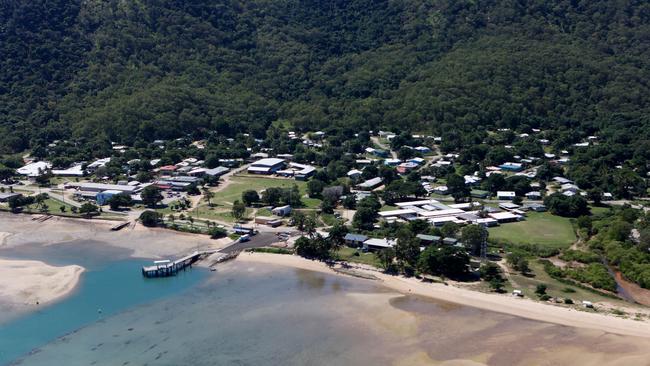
<point x="135" y="71"/>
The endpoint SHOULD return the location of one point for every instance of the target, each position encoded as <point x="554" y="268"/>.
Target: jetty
<point x="167" y="268"/>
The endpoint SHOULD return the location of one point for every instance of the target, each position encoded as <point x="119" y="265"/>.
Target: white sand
<point x="28" y="282"/>
<point x="493" y="302"/>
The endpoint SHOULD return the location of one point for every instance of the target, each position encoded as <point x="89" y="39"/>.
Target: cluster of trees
<point x="630" y="253"/>
<point x="119" y="72"/>
<point x="436" y="259"/>
<point x="151" y="218"/>
<point x="491" y="273"/>
<point x="366" y="213"/>
<point x="120" y="200"/>
<point x="622" y="237"/>
<point x="273" y="196"/>
<point x="316" y="246"/>
<point x="399" y="190"/>
<point x="559" y="204"/>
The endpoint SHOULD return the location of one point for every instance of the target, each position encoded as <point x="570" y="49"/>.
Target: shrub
<point x="217" y="233"/>
<point x="270" y="250"/>
<point x="150" y="218"/>
<point x="595" y="274"/>
<point x="570" y="255"/>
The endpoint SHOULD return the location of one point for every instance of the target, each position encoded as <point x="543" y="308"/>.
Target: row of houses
<point x="375" y="244"/>
<point x="438" y="214"/>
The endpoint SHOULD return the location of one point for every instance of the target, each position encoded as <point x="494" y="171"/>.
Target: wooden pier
<point x="167" y="268"/>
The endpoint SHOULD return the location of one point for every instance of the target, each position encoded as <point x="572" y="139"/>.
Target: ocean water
<point x="104" y="291"/>
<point x="255" y="314"/>
<point x="238" y="316"/>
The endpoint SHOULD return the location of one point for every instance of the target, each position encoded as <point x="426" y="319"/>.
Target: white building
<point x="354" y="173"/>
<point x="506" y="195"/>
<point x="34" y="169"/>
<point x="266" y="166"/>
<point x="378" y="244"/>
<point x="75" y="171"/>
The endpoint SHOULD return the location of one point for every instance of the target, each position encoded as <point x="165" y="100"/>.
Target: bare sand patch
<point x="497" y="303"/>
<point x="30" y="282"/>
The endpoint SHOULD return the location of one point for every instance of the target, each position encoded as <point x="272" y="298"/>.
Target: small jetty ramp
<point x="167" y="268"/>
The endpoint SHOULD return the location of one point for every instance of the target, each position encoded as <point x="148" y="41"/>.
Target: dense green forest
<point x="135" y="71"/>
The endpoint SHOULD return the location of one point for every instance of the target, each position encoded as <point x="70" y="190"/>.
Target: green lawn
<point x="596" y="210"/>
<point x="264" y="212"/>
<point x="347" y="254"/>
<point x="240" y="184"/>
<point x="310" y="202"/>
<point x="216" y="213"/>
<point x="540" y="228"/>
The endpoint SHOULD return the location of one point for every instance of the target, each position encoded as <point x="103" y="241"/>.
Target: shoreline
<point x="31" y="277"/>
<point x="157" y="243"/>
<point x="523" y="308"/>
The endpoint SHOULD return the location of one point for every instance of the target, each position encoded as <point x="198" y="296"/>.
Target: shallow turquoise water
<point x="237" y="316"/>
<point x="104" y="290"/>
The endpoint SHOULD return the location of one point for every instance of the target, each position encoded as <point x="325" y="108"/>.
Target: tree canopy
<point x="133" y="72"/>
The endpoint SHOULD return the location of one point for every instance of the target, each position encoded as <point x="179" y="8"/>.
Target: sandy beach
<point x="499" y="303"/>
<point x="30" y="282"/>
<point x="140" y="241"/>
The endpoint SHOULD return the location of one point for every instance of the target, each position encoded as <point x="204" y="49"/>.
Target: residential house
<point x="354" y="240"/>
<point x="534" y="195"/>
<point x="506" y="195"/>
<point x="378" y="244"/>
<point x="282" y="210"/>
<point x="354" y="174"/>
<point x="370" y="184"/>
<point x="429" y="239"/>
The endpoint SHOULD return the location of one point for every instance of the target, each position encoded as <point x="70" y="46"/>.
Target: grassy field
<point x="540" y="228"/>
<point x="240" y="184"/>
<point x="596" y="210"/>
<point x="347" y="254"/>
<point x="554" y="288"/>
<point x="217" y="213"/>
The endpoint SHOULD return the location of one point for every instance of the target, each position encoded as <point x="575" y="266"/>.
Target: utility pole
<point x="483" y="243"/>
